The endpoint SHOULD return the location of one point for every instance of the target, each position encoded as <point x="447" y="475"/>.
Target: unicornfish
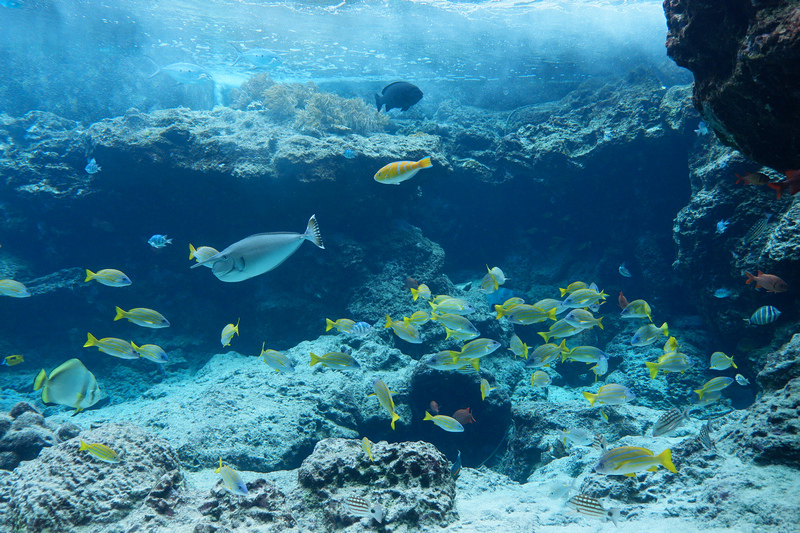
<point x="259" y="253"/>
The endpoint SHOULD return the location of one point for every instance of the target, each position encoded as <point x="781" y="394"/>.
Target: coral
<point x="23" y="435"/>
<point x="329" y="113"/>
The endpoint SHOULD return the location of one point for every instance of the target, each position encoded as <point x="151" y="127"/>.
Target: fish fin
<point x="312" y="232"/>
<point x="778" y="189"/>
<point x="315" y="359"/>
<point x="750" y="278"/>
<point x="427" y="416"/>
<point x="40" y="380"/>
<point x="91" y="341"/>
<point x="500" y="311"/>
<point x="599" y="321"/>
<point x="733" y="364"/>
<point x="551" y="314"/>
<point x="545" y="335"/>
<point x="120" y="314"/>
<point x="665" y="458"/>
<point x="591" y="397"/>
<point x="192" y="250"/>
<point x="700" y="393"/>
<point x="613" y="515"/>
<point x="664" y="329"/>
<point x="89" y="275"/>
<point x="563" y="292"/>
<point x="653" y="369"/>
<point x="629" y="475"/>
<point x="329" y="324"/>
<point x="158" y="68"/>
<point x="83" y="446"/>
<point x="425" y="163"/>
<point x="395" y="418"/>
<point x="414" y="293"/>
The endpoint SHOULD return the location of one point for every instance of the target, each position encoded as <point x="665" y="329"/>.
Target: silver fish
<point x="361" y="329"/>
<point x="359" y="506"/>
<point x="185" y="73"/>
<point x="623" y="271"/>
<point x="92" y="167"/>
<point x="670" y="421"/>
<point x="705" y="438"/>
<point x="258" y="57"/>
<point x="600" y="442"/>
<point x="586" y="505"/>
<point x="259" y="253"/>
<point x="763" y="315"/>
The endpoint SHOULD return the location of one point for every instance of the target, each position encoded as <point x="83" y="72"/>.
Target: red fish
<point x="464" y="416"/>
<point x="753" y="178"/>
<point x="792" y="182"/>
<point x="411" y="283"/>
<point x="623" y="302"/>
<point x="767" y="281"/>
<point x="434" y="407"/>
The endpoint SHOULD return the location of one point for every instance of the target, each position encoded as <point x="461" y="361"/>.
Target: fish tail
<point x="192" y="251"/>
<point x="500" y="311"/>
<point x="665" y="458"/>
<point x="434" y="316"/>
<point x="89" y="275"/>
<point x="389" y="322"/>
<point x="664" y="329"/>
<point x="425" y="163"/>
<point x="378" y="102"/>
<point x="613" y="515"/>
<point x="591" y="397"/>
<point x="427" y="416"/>
<point x="545" y="335"/>
<point x="778" y="189"/>
<point x="653" y="369"/>
<point x="84" y="446"/>
<point x="315" y="359"/>
<point x="158" y="68"/>
<point x="414" y="293"/>
<point x="476" y="364"/>
<point x="750" y="278"/>
<point x="733" y="364"/>
<point x="599" y="321"/>
<point x="312" y="232"/>
<point x="551" y="314"/>
<point x="563" y="346"/>
<point x="120" y="314"/>
<point x="563" y="291"/>
<point x="40" y="380"/>
<point x="700" y="392"/>
<point x="449" y="333"/>
<point x="91" y="340"/>
<point x="236" y="327"/>
<point x="395" y="418"/>
<point x="329" y="324"/>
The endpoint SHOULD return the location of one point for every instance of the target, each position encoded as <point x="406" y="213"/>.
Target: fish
<point x="336" y="360"/>
<point x="525" y="314"/>
<point x="763" y="315"/>
<point x="100" y="451"/>
<point x="722" y="293"/>
<point x="151" y="351"/>
<point x="769" y="282"/>
<point x="713" y="385"/>
<point x="741" y="380"/>
<point x="588" y="506"/>
<point x="670" y="362"/>
<point x="422" y="291"/>
<point x="258" y="57"/>
<point x="485" y="388"/>
<point x="648" y="334"/>
<point x="578" y="436"/>
<point x="610" y="394"/>
<point x="792" y="182"/>
<point x="454" y="322"/>
<point x="572" y="287"/>
<point x="671" y="346"/>
<point x="637" y="309"/>
<point x="455" y="469"/>
<point x="583" y="298"/>
<point x="559" y="330"/>
<point x="183" y="73"/>
<point x="92" y="167"/>
<point x="508" y="305"/>
<point x="278" y="361"/>
<point x="752" y="178"/>
<point x="399" y="94"/>
<point x="407" y="332"/>
<point x="447" y="360"/>
<point x="581" y="318"/>
<point x="366" y="445"/>
<point x="705" y="437"/>
<point x="445" y="422"/>
<point x="540" y="379"/>
<point x="417" y="318"/>
<point x="707" y="399"/>
<point x="108" y="277"/>
<point x="518" y="348"/>
<point x="546" y="304"/>
<point x="720" y="361"/>
<point x="12" y="360"/>
<point x="231" y="480"/>
<point x="14" y="289"/>
<point x="583" y="354"/>
<point x="629" y="460"/>
<point x="623" y="271"/>
<point x="141" y="316"/>
<point x="349" y="154"/>
<point x="670" y="421"/>
<point x="600" y="442"/>
<point x="702" y="129"/>
<point x="400" y="171"/>
<point x="464" y="416"/>
<point x="159" y="241"/>
<point x="459" y="335"/>
<point x="69" y="384"/>
<point x="600" y="368"/>
<point x="360" y="329"/>
<point x="756" y="231"/>
<point x="112" y="346"/>
<point x="345" y="325"/>
<point x="561" y="490"/>
<point x="384" y="396"/>
<point x="228" y="332"/>
<point x="622" y="301"/>
<point x="260" y="253"/>
<point x="358" y="506"/>
<point x="478" y="348"/>
<point x="434" y="407"/>
<point x="201" y="254"/>
<point x="545" y="354"/>
<point x="492" y="280"/>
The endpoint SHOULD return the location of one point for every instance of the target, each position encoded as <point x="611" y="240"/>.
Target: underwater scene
<point x="399" y="265"/>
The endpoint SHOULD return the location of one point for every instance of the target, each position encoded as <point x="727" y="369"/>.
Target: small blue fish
<point x="623" y="271"/>
<point x="360" y="329"/>
<point x="722" y="293"/>
<point x="702" y="129"/>
<point x="158" y="241"/>
<point x="349" y="154"/>
<point x="722" y="225"/>
<point x="92" y="167"/>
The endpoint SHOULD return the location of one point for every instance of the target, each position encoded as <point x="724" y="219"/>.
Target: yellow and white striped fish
<point x="100" y="451"/>
<point x="628" y="460"/>
<point x="142" y="316"/>
<point x="109" y="277"/>
<point x="113" y="346"/>
<point x="15" y="289"/>
<point x="384" y="396"/>
<point x="366" y="445"/>
<point x="447" y="423"/>
<point x="400" y="171"/>
<point x="231" y="480"/>
<point x="227" y="333"/>
<point x="202" y="254"/>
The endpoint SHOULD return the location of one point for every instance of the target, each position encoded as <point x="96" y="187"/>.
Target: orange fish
<point x="434" y="407"/>
<point x="399" y="171"/>
<point x="623" y="302"/>
<point x="464" y="416"/>
<point x="753" y="178"/>
<point x="767" y="281"/>
<point x="792" y="183"/>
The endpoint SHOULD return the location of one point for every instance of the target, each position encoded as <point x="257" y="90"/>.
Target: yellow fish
<point x="141" y="316"/>
<point x="384" y="396"/>
<point x="366" y="445"/>
<point x="15" y="289"/>
<point x="228" y="332"/>
<point x="100" y="451"/>
<point x="400" y="171"/>
<point x="109" y="277"/>
<point x="12" y="360"/>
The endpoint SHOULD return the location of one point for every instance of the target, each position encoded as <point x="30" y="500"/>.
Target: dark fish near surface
<point x="400" y="94"/>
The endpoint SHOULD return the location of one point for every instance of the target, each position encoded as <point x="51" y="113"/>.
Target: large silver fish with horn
<point x="259" y="253"/>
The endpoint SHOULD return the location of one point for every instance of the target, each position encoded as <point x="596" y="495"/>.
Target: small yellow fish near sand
<point x="231" y="480"/>
<point x="108" y="277"/>
<point x="100" y="451"/>
<point x="202" y="254"/>
<point x="400" y="171"/>
<point x="227" y="333"/>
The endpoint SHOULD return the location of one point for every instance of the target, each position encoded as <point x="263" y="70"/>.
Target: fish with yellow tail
<point x="113" y="346"/>
<point x="12" y="360"/>
<point x="611" y="394"/>
<point x="648" y="334"/>
<point x="629" y="460"/>
<point x="345" y="325"/>
<point x="201" y="254"/>
<point x="141" y="316"/>
<point x="422" y="291"/>
<point x="14" y="289"/>
<point x="713" y="385"/>
<point x="228" y="332"/>
<point x="366" y="445"/>
<point x="70" y="384"/>
<point x="100" y="451"/>
<point x="400" y="171"/>
<point x="445" y="422"/>
<point x="231" y="480"/>
<point x="384" y="396"/>
<point x="492" y="280"/>
<point x="108" y="277"/>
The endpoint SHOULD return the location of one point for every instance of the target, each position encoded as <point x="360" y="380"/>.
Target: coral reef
<point x="743" y="56"/>
<point x="23" y="434"/>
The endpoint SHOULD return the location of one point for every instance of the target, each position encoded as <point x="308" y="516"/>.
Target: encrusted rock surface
<point x="23" y="434"/>
<point x="743" y="55"/>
